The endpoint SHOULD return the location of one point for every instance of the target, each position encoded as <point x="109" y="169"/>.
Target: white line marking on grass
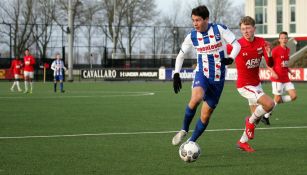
<point x="116" y="94"/>
<point x="142" y="133"/>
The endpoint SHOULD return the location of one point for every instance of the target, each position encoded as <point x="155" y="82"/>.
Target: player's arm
<point x="267" y="53"/>
<point x="53" y="67"/>
<point x="230" y="38"/>
<point x="186" y="45"/>
<point x="33" y="61"/>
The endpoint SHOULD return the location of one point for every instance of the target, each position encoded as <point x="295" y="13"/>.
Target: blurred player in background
<point x="280" y="79"/>
<point x="209" y="41"/>
<point x="28" y="73"/>
<point x="248" y="83"/>
<point x="58" y="72"/>
<point x="16" y="66"/>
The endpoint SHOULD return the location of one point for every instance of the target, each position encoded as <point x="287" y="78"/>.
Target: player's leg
<point x="292" y="94"/>
<point x="17" y="77"/>
<point x="266" y="104"/>
<point x="54" y="83"/>
<point x="211" y="99"/>
<point x="61" y="83"/>
<point x="243" y="141"/>
<point x="289" y="87"/>
<point x="202" y="123"/>
<point x="255" y="95"/>
<point x="14" y="83"/>
<point x="31" y="77"/>
<point x="278" y="90"/>
<point x="26" y="81"/>
<point x="196" y="98"/>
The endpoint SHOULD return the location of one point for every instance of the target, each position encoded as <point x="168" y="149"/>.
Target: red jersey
<point x="16" y="66"/>
<point x="248" y="61"/>
<point x="29" y="63"/>
<point x="281" y="61"/>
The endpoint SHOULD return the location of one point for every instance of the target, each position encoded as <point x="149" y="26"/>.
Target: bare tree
<point x="19" y="14"/>
<point x="139" y="12"/>
<point x="61" y="16"/>
<point x="92" y="8"/>
<point x="44" y="27"/>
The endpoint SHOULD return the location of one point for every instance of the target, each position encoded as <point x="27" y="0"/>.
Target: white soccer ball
<point x="189" y="151"/>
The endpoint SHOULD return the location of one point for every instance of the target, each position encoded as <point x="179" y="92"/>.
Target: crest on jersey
<point x="244" y="54"/>
<point x="217" y="36"/>
<point x="260" y="51"/>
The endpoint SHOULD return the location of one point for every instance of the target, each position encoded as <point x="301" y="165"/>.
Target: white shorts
<point x="28" y="74"/>
<point x="251" y="93"/>
<point x="280" y="88"/>
<point x="16" y="76"/>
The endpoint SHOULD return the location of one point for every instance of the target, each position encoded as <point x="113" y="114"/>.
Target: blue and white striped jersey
<point x="210" y="47"/>
<point x="58" y="67"/>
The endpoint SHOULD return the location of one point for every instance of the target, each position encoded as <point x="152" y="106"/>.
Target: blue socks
<point x="61" y="86"/>
<point x="189" y="114"/>
<point x="199" y="129"/>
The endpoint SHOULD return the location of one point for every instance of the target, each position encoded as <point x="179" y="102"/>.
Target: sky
<point x="165" y="5"/>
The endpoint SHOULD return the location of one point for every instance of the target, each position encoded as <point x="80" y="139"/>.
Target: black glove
<point x="176" y="83"/>
<point x="227" y="61"/>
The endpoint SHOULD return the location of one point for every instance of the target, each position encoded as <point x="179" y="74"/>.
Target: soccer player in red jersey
<point x="16" y="66"/>
<point x="280" y="81"/>
<point x="248" y="84"/>
<point x="29" y="63"/>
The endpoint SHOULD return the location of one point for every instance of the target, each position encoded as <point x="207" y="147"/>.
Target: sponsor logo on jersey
<point x="217" y="36"/>
<point x="210" y="47"/>
<point x="253" y="63"/>
<point x="285" y="63"/>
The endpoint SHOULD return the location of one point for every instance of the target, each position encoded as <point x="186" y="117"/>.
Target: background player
<point x="16" y="66"/>
<point x="280" y="81"/>
<point x="248" y="84"/>
<point x="58" y="68"/>
<point x="29" y="63"/>
<point x="209" y="41"/>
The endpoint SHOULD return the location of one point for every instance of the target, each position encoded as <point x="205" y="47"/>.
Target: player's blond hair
<point x="247" y="20"/>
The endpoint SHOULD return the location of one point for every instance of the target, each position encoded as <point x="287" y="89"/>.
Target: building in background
<point x="274" y="16"/>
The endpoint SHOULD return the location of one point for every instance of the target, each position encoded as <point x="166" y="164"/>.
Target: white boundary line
<point x="142" y="133"/>
<point x="122" y="94"/>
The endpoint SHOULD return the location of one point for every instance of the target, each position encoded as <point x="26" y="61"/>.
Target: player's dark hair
<point x="283" y="33"/>
<point x="201" y="11"/>
<point x="247" y="20"/>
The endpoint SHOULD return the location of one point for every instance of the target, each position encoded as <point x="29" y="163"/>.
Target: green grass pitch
<point x="116" y="128"/>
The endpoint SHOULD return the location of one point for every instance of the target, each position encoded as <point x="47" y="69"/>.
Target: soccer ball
<point x="189" y="151"/>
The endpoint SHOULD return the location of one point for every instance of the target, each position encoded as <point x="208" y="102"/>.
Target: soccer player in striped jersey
<point x="248" y="83"/>
<point x="58" y="72"/>
<point x="281" y="82"/>
<point x="16" y="66"/>
<point x="209" y="41"/>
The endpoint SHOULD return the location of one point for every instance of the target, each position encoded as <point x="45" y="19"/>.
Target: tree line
<point x="32" y="23"/>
